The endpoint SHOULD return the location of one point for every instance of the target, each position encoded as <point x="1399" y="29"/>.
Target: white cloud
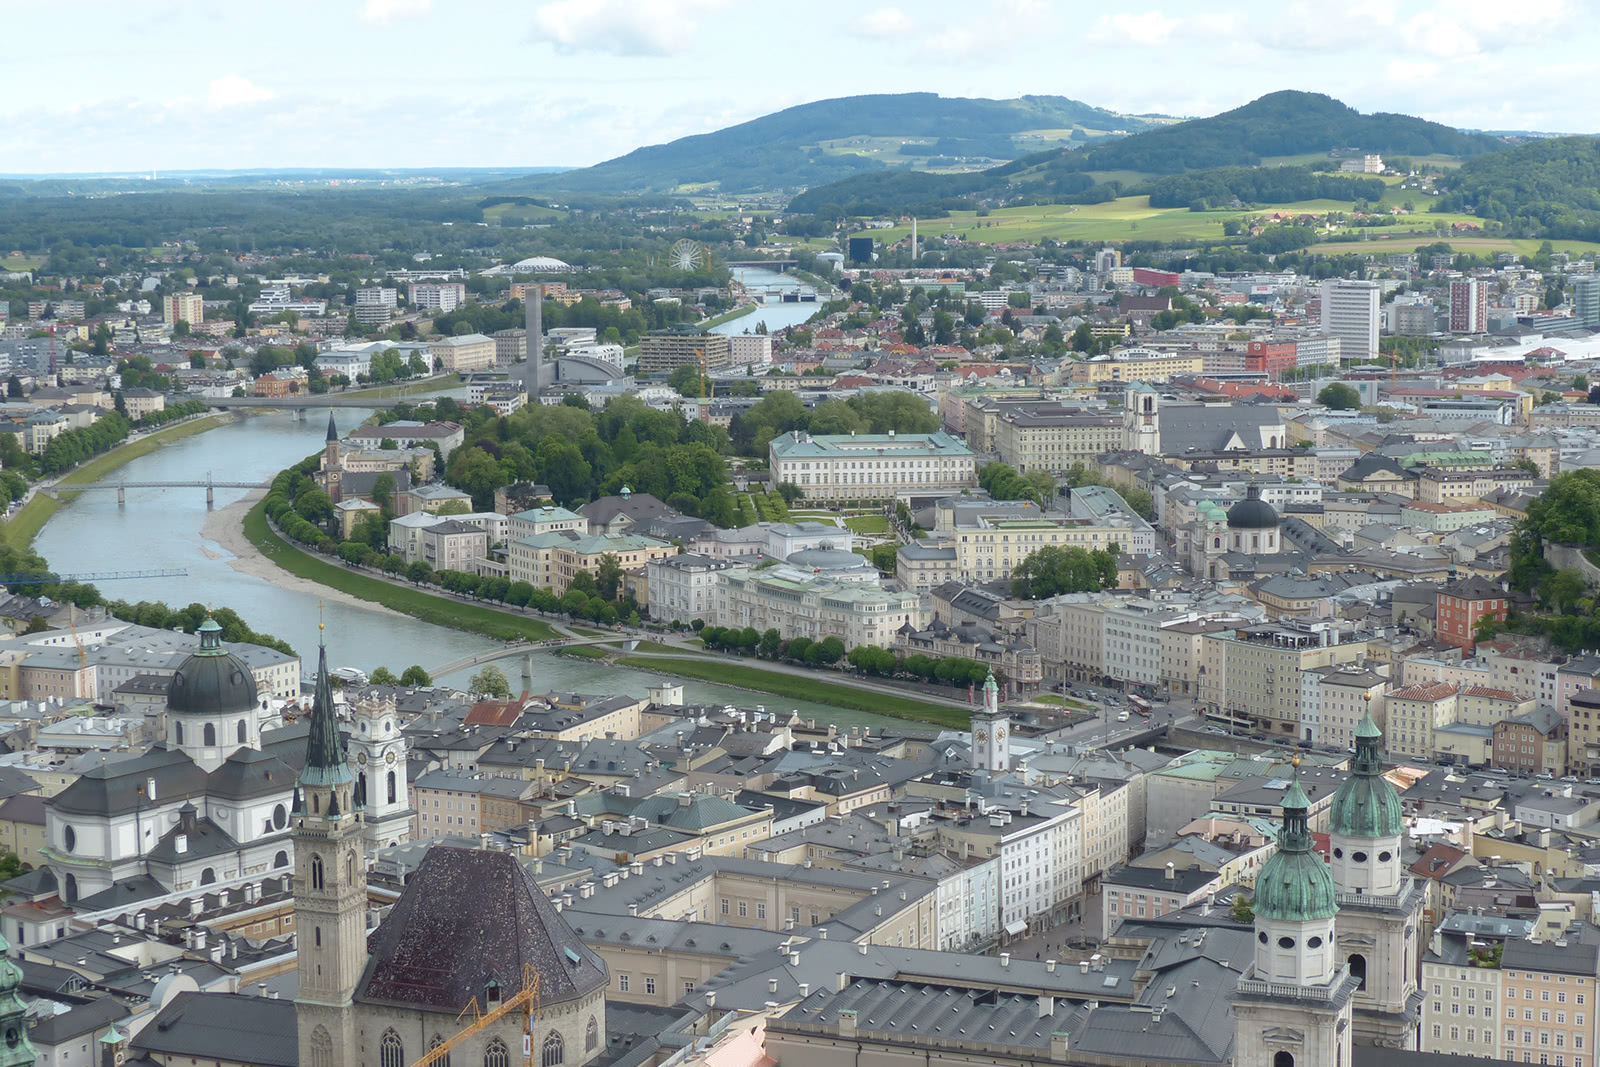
<point x="383" y="12"/>
<point x="953" y="43"/>
<point x="884" y="22"/>
<point x="1452" y="28"/>
<point x="231" y="90"/>
<point x="656" y="28"/>
<point x="1147" y="29"/>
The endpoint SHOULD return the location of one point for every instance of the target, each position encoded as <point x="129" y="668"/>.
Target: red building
<point x="1469" y="306"/>
<point x="1461" y="605"/>
<point x="1271" y="358"/>
<point x="1157" y="278"/>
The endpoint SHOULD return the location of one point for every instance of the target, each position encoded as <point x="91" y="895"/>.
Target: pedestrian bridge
<point x="208" y="484"/>
<point x="526" y="649"/>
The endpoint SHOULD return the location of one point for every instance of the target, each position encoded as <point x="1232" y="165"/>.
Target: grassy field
<point x="421" y="385"/>
<point x="1131" y="218"/>
<point x="867" y="524"/>
<point x="410" y="601"/>
<point x="1405" y="243"/>
<point x="788" y="685"/>
<point x="26" y="524"/>
<point x="727" y="316"/>
<point x="527" y="211"/>
<point x="21" y="262"/>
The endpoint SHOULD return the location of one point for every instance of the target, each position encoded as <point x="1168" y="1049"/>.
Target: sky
<point x="171" y="85"/>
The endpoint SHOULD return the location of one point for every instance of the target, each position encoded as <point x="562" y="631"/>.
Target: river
<point x="160" y="529"/>
<point x="776" y="315"/>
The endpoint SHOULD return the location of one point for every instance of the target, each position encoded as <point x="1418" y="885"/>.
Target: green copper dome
<point x="1295" y="885"/>
<point x="1366" y="805"/>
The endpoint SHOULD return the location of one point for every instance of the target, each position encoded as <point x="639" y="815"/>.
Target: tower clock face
<point x="361" y="758"/>
<point x="389" y="757"/>
<point x="1000" y="734"/>
<point x="981" y="736"/>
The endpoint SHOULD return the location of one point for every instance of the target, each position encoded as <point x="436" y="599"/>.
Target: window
<point x="1358" y="969"/>
<point x="209" y="735"/>
<point x="495" y="1054"/>
<point x="442" y="1061"/>
<point x="241" y="732"/>
<point x="322" y="1049"/>
<point x="622" y="983"/>
<point x="316" y="871"/>
<point x="1283" y="1059"/>
<point x="649" y="983"/>
<point x="391" y="1052"/>
<point x="553" y="1053"/>
<point x="724" y="905"/>
<point x="591" y="1035"/>
<point x="391" y="787"/>
<point x="177" y="732"/>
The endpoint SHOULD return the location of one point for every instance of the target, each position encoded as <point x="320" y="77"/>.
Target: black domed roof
<point x="213" y="679"/>
<point x="1252" y="513"/>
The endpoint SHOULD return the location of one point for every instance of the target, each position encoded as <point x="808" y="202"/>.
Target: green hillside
<point x="816" y="143"/>
<point x="1549" y="187"/>
<point x="1280" y="124"/>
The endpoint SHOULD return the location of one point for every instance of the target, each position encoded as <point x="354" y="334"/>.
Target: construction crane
<point x="92" y="576"/>
<point x="525" y="1003"/>
<point x="83" y="657"/>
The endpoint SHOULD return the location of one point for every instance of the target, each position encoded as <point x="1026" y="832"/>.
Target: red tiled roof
<point x="1426" y="691"/>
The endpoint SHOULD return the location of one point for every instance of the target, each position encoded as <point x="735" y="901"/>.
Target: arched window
<point x="591" y="1035"/>
<point x="495" y="1054"/>
<point x="280" y="860"/>
<point x="391" y="787"/>
<point x="1358" y="969"/>
<point x="1283" y="1059"/>
<point x="210" y="733"/>
<point x="72" y="887"/>
<point x="350" y="867"/>
<point x="554" y="1053"/>
<point x="241" y="732"/>
<point x="177" y="732"/>
<point x="316" y="871"/>
<point x="442" y="1061"/>
<point x="321" y="1048"/>
<point x="361" y="788"/>
<point x="391" y="1052"/>
<point x="208" y="876"/>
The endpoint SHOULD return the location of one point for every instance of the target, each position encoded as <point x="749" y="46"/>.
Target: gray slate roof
<point x="215" y="1026"/>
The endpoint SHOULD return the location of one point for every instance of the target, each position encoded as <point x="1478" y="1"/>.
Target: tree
<point x="1562" y="589"/>
<point x="14" y="387"/>
<point x="885" y="557"/>
<point x="1058" y="569"/>
<point x="790" y="492"/>
<point x="490" y="682"/>
<point x="1581" y="382"/>
<point x="383" y="676"/>
<point x="1339" y="397"/>
<point x="608" y="576"/>
<point x="383" y="492"/>
<point x="1243" y="910"/>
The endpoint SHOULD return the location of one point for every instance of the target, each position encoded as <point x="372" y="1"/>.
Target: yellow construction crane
<point x="526" y="1002"/>
<point x="83" y="657"/>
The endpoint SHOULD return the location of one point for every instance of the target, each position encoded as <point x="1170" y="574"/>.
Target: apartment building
<point x="376" y="306"/>
<point x="664" y="351"/>
<point x="1350" y="313"/>
<point x="1135" y="365"/>
<point x="1254" y="672"/>
<point x="437" y="296"/>
<point x="1461" y="1002"/>
<point x="871" y="467"/>
<point x="684" y="587"/>
<point x="552" y="560"/>
<point x="469" y="352"/>
<point x="1334" y="699"/>
<point x="1460" y="606"/>
<point x="1547" y="1001"/>
<point x="1055" y="439"/>
<point x="989" y="548"/>
<point x="1040" y="848"/>
<point x="1132" y="642"/>
<point x="799" y="604"/>
<point x="1416" y="712"/>
<point x="183" y="307"/>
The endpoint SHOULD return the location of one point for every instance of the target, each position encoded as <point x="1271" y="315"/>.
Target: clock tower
<point x="991" y="732"/>
<point x="378" y="751"/>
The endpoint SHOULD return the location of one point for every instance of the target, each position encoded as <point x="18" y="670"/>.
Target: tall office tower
<point x="1350" y="313"/>
<point x="1586" y="299"/>
<point x="1469" y="306"/>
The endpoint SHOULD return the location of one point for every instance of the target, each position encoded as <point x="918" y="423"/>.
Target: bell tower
<point x="1141" y="419"/>
<point x="16" y="1050"/>
<point x="330" y="889"/>
<point x="1292" y="1007"/>
<point x="332" y="466"/>
<point x="378" y="750"/>
<point x="1380" y="906"/>
<point x="991" y="732"/>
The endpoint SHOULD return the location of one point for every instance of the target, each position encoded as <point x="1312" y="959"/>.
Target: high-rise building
<point x="376" y="306"/>
<point x="1350" y="313"/>
<point x="1586" y="300"/>
<point x="1469" y="306"/>
<point x="663" y="351"/>
<point x="185" y="307"/>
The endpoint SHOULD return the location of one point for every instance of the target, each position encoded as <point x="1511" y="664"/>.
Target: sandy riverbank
<point x="225" y="526"/>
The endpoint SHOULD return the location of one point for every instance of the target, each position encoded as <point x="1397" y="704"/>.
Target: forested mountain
<point x="1551" y="186"/>
<point x="1279" y="124"/>
<point x="783" y="150"/>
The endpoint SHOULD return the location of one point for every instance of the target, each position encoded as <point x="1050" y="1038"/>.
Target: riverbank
<point x="225" y="526"/>
<point x="403" y="598"/>
<point x="20" y="530"/>
<point x="728" y="316"/>
<point x="800" y="688"/>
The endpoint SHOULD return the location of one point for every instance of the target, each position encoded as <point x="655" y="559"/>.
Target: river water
<point x="160" y="529"/>
<point x="775" y="314"/>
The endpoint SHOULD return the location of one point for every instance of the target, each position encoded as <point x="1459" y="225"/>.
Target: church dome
<point x="1252" y="513"/>
<point x="1295" y="885"/>
<point x="213" y="679"/>
<point x="1366" y="805"/>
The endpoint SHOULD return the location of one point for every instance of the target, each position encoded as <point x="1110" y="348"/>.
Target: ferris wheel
<point x="687" y="255"/>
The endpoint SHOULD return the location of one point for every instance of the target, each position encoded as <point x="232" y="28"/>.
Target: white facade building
<point x="1350" y="313"/>
<point x="684" y="587"/>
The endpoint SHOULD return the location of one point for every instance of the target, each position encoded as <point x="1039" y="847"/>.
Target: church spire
<point x="16" y="1050"/>
<point x="325" y="759"/>
<point x="333" y="429"/>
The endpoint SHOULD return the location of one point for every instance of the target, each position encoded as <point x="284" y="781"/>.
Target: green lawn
<point x="788" y="685"/>
<point x="25" y="525"/>
<point x="867" y="524"/>
<point x="22" y="262"/>
<point x="409" y="600"/>
<point x="422" y="385"/>
<point x="727" y="316"/>
<point x="1404" y="242"/>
